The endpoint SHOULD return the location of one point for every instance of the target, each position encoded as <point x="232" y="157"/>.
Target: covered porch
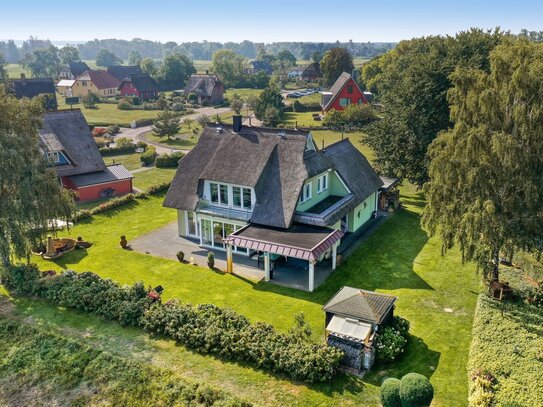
<point x="298" y="253"/>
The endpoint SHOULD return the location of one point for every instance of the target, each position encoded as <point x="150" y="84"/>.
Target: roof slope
<point x="202" y="85"/>
<point x="29" y="88"/>
<point x="68" y="131"/>
<point x="78" y="67"/>
<point x="354" y="169"/>
<point x="143" y="83"/>
<point x="122" y="71"/>
<point x="100" y="79"/>
<point x="360" y="304"/>
<point x="338" y="85"/>
<point x="112" y="173"/>
<point x="312" y="70"/>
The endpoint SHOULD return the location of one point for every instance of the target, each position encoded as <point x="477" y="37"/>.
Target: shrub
<point x="99" y="132"/>
<point x="135" y="100"/>
<point x="481" y="392"/>
<point x="90" y="101"/>
<point x="168" y="160"/>
<point x="101" y="142"/>
<point x="159" y="188"/>
<point x="107" y="151"/>
<point x="390" y="393"/>
<point x="180" y="256"/>
<point x="123" y="142"/>
<point x="211" y="260"/>
<point x="392" y="339"/>
<point x="416" y="390"/>
<point x="148" y="156"/>
<point x="124" y="105"/>
<point x="113" y="130"/>
<point x="113" y="203"/>
<point x="141" y="144"/>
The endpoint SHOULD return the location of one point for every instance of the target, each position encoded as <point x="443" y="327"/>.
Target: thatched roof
<point x="203" y="85"/>
<point x="143" y="83"/>
<point x="68" y="131"/>
<point x="30" y="88"/>
<point x="360" y="304"/>
<point x="275" y="162"/>
<point x="124" y="71"/>
<point x="78" y="67"/>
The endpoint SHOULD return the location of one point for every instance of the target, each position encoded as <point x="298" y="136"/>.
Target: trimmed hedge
<point x="159" y="188"/>
<point x="107" y="151"/>
<point x="148" y="156"/>
<point x="210" y="329"/>
<point x="205" y="328"/>
<point x="416" y="390"/>
<point x="168" y="160"/>
<point x="390" y="393"/>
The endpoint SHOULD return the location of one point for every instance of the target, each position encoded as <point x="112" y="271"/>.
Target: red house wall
<point x="92" y="192"/>
<point x="357" y="97"/>
<point x="128" y="90"/>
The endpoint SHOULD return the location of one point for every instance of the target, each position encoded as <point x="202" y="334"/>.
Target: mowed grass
<point x="243" y="93"/>
<point x="108" y="114"/>
<point x="154" y="176"/>
<point x="398" y="259"/>
<point x="14" y="71"/>
<point x="130" y="161"/>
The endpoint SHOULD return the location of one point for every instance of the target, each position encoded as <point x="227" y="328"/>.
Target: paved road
<point x="137" y="134"/>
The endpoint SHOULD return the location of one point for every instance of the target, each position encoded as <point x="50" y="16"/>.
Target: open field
<point x="398" y="259"/>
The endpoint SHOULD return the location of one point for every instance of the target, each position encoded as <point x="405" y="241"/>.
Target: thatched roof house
<point x="207" y="88"/>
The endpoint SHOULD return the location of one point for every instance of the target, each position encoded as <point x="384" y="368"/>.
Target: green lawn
<point x="108" y="114"/>
<point x="332" y="136"/>
<point x="398" y="259"/>
<point x="130" y="161"/>
<point x="242" y="92"/>
<point x="14" y="71"/>
<point x="145" y="179"/>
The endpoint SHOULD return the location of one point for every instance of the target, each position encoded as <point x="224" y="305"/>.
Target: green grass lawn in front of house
<point x="333" y="136"/>
<point x="130" y="161"/>
<point x="154" y="176"/>
<point x="398" y="259"/>
<point x="243" y="93"/>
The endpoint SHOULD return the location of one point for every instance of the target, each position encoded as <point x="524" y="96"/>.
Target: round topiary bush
<point x="390" y="393"/>
<point x="416" y="391"/>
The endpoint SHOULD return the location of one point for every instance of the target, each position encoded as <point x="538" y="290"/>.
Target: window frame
<point x="307" y="193"/>
<point x="322" y="183"/>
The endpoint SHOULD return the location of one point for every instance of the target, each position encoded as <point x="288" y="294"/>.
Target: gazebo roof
<point x="299" y="241"/>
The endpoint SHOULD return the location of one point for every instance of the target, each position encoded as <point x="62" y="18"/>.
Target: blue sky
<point x="260" y="21"/>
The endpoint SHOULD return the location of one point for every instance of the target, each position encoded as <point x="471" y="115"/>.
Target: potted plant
<point x="123" y="242"/>
<point x="211" y="260"/>
<point x="180" y="256"/>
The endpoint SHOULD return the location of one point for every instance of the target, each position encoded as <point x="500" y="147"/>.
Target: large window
<point x="344" y="102"/>
<point x="322" y="183"/>
<point x="236" y="197"/>
<point x="214" y="190"/>
<point x="227" y="195"/>
<point x="223" y="194"/>
<point x="246" y="198"/>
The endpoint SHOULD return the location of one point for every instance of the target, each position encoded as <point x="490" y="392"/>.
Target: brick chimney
<point x="237" y="123"/>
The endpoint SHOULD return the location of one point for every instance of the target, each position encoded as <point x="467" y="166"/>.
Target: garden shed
<point x="353" y="317"/>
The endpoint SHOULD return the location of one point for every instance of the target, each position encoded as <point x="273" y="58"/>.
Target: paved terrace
<point x="165" y="242"/>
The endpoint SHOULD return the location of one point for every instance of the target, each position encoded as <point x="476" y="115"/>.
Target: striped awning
<point x="299" y="241"/>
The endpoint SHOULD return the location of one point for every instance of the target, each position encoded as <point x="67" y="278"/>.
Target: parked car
<point x="294" y="95"/>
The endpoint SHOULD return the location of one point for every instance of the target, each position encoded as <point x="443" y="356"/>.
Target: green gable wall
<point x="365" y="209"/>
<point x="335" y="187"/>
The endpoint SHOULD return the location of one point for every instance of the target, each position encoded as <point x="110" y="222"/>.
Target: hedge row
<point x="168" y="160"/>
<point x="120" y="201"/>
<point x="205" y="328"/>
<point x="107" y="151"/>
<point x="57" y="368"/>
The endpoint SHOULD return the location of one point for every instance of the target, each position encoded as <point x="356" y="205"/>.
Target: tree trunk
<point x="495" y="271"/>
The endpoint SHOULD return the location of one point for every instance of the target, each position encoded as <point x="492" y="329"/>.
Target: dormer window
<point x="306" y="193"/>
<point x="322" y="183"/>
<point x="53" y="157"/>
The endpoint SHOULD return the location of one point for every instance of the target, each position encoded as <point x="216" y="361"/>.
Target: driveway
<point x="137" y="133"/>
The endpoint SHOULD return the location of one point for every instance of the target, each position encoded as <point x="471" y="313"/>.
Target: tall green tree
<point x="147" y="65"/>
<point x="229" y="67"/>
<point x="43" y="62"/>
<point x="269" y="106"/>
<point x="334" y="62"/>
<point x="31" y="196"/>
<point x="412" y="82"/>
<point x="68" y="54"/>
<point x="134" y="58"/>
<point x="107" y="58"/>
<point x="174" y="71"/>
<point x="3" y="72"/>
<point x="166" y="124"/>
<point x="486" y="173"/>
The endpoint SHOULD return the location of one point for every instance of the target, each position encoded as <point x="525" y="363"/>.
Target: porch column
<point x="229" y="263"/>
<point x="334" y="256"/>
<point x="266" y="266"/>
<point x="311" y="275"/>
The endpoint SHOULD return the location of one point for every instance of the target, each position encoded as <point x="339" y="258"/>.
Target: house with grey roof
<point x="353" y="319"/>
<point x="72" y="70"/>
<point x="34" y="87"/>
<point x="272" y="193"/>
<point x="67" y="143"/>
<point x="208" y="89"/>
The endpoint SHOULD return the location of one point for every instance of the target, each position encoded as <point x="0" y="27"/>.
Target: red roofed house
<point x="95" y="81"/>
<point x="343" y="93"/>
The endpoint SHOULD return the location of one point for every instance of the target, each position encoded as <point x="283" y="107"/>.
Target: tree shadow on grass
<point x="73" y="257"/>
<point x="417" y="358"/>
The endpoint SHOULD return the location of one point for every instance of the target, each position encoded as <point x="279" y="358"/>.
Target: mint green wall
<point x="335" y="187"/>
<point x="355" y="221"/>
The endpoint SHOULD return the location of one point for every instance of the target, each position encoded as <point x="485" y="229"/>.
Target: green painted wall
<point x="335" y="187"/>
<point x="362" y="213"/>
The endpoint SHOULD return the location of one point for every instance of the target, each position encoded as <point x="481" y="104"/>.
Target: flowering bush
<point x="481" y="393"/>
<point x="392" y="340"/>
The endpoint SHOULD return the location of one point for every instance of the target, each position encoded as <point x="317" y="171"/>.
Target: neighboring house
<point x="353" y="319"/>
<point x="95" y="81"/>
<point x="311" y="73"/>
<point x="142" y="86"/>
<point x="296" y="72"/>
<point x="67" y="142"/>
<point x="208" y="89"/>
<point x="259" y="66"/>
<point x="343" y="93"/>
<point x="64" y="87"/>
<point x="30" y="88"/>
<point x="121" y="71"/>
<point x="272" y="192"/>
<point x="73" y="69"/>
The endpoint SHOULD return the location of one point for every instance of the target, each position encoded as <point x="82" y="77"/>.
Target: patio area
<point x="165" y="242"/>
